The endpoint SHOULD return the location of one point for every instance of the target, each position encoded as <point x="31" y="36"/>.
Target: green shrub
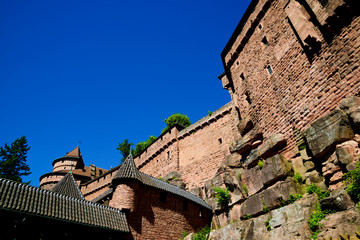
<point x="247" y="216"/>
<point x="266" y="209"/>
<point x="201" y="234"/>
<point x="245" y="189"/>
<point x="210" y="113"/>
<point x="293" y="198"/>
<point x="298" y="177"/>
<point x="176" y="118"/>
<point x="282" y="202"/>
<point x="222" y="196"/>
<point x="239" y="176"/>
<point x="352" y="183"/>
<point x="267" y="224"/>
<point x="315" y="189"/>
<point x="315" y="218"/>
<point x="302" y="146"/>
<point x="261" y="164"/>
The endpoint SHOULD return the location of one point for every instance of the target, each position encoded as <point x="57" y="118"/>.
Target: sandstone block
<point x="327" y="131"/>
<point x="275" y="168"/>
<point x="271" y="145"/>
<point x="309" y="165"/>
<point x="245" y="143"/>
<point x="252" y="206"/>
<point x="252" y="180"/>
<point x="338" y="200"/>
<point x="281" y="190"/>
<point x="298" y="166"/>
<point x="197" y="192"/>
<point x="351" y="106"/>
<point x="245" y="125"/>
<point x="347" y="152"/>
<point x="172" y="175"/>
<point x="336" y="177"/>
<point x="233" y="160"/>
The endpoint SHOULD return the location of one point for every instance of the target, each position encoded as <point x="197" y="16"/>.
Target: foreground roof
<point x="23" y="198"/>
<point x="128" y="170"/>
<point x="67" y="186"/>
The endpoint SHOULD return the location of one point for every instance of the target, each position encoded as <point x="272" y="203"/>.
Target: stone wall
<point x="291" y="64"/>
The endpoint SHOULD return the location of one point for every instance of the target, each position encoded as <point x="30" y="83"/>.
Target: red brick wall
<point x="300" y="90"/>
<point x="153" y="219"/>
<point x="96" y="187"/>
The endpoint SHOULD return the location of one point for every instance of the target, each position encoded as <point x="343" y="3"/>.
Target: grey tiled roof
<point x="67" y="186"/>
<point x="128" y="170"/>
<point x="27" y="199"/>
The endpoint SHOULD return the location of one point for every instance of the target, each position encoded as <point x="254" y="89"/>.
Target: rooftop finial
<point x="130" y="151"/>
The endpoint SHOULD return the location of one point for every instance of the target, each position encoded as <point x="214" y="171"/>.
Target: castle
<point x="292" y="71"/>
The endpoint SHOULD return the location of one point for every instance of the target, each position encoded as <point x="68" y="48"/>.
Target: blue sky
<point x="102" y="71"/>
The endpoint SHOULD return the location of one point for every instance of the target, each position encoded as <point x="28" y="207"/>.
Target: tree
<point x="176" y="118"/>
<point x="13" y="160"/>
<point x="124" y="148"/>
<point x="143" y="145"/>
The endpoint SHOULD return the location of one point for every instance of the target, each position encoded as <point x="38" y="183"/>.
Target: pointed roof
<point x="67" y="186"/>
<point x="128" y="170"/>
<point x="74" y="153"/>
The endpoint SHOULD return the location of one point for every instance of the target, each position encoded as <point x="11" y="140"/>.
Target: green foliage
<point x="141" y="146"/>
<point x="176" y="118"/>
<point x="302" y="146"/>
<point x="261" y="164"/>
<point x="239" y="176"/>
<point x="245" y="189"/>
<point x="265" y="208"/>
<point x="201" y="234"/>
<point x="293" y="198"/>
<point x="352" y="183"/>
<point x="267" y="224"/>
<point x="282" y="202"/>
<point x="13" y="160"/>
<point x="247" y="216"/>
<point x="222" y="196"/>
<point x="210" y="113"/>
<point x="184" y="235"/>
<point x="315" y="189"/>
<point x="160" y="178"/>
<point x="298" y="177"/>
<point x="315" y="218"/>
<point x="124" y="148"/>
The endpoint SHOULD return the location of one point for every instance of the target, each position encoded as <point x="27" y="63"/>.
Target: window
<point x="185" y="205"/>
<point x="269" y="69"/>
<point x="264" y="41"/>
<point x="220" y="140"/>
<point x="242" y="77"/>
<point x="323" y="2"/>
<point x="201" y="213"/>
<point x="163" y="197"/>
<point x="260" y="27"/>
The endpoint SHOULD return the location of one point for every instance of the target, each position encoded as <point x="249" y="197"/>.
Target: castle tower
<point x="72" y="160"/>
<point x="125" y="188"/>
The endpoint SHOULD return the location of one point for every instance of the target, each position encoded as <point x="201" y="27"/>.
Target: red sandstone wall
<point x="203" y="145"/>
<point x="96" y="187"/>
<point x="64" y="165"/>
<point x="153" y="219"/>
<point x="300" y="90"/>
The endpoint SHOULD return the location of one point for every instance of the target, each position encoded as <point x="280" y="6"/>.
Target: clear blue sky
<point x="102" y="71"/>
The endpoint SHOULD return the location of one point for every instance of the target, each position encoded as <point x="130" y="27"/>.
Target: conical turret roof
<point x="67" y="186"/>
<point x="127" y="170"/>
<point x="74" y="153"/>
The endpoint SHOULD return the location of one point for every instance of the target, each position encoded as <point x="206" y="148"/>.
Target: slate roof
<point x="128" y="170"/>
<point x="23" y="198"/>
<point x="67" y="186"/>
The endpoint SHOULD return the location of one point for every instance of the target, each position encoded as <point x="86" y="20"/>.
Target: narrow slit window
<point x="163" y="197"/>
<point x="242" y="77"/>
<point x="269" y="69"/>
<point x="185" y="205"/>
<point x="323" y="2"/>
<point x="220" y="140"/>
<point x="265" y="41"/>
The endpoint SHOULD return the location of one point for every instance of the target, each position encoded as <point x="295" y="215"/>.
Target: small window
<point x="237" y="63"/>
<point x="269" y="69"/>
<point x="260" y="27"/>
<point x="185" y="205"/>
<point x="265" y="41"/>
<point x="168" y="154"/>
<point x="100" y="172"/>
<point x="242" y="77"/>
<point x="323" y="2"/>
<point x="163" y="197"/>
<point x="201" y="213"/>
<point x="220" y="140"/>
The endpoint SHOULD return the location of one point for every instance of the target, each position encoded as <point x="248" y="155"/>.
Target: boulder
<point x="245" y="125"/>
<point x="274" y="195"/>
<point x="334" y="128"/>
<point x="172" y="175"/>
<point x="344" y="222"/>
<point x="245" y="143"/>
<point x="252" y="206"/>
<point x="174" y="178"/>
<point x="275" y="168"/>
<point x="351" y="106"/>
<point x="347" y="152"/>
<point x="268" y="148"/>
<point x="233" y="231"/>
<point x="298" y="166"/>
<point x="339" y="200"/>
<point x="252" y="180"/>
<point x="197" y="192"/>
<point x="233" y="160"/>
